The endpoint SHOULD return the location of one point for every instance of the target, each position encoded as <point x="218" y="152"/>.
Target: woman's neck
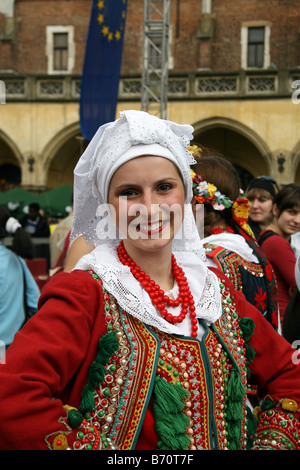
<point x="275" y="228"/>
<point x="156" y="264"/>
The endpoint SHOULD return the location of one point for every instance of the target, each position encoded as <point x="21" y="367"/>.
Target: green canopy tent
<point x="56" y="202"/>
<point x="16" y="200"/>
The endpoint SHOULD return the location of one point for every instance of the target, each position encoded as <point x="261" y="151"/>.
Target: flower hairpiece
<point x="207" y="193"/>
<point x="195" y="151"/>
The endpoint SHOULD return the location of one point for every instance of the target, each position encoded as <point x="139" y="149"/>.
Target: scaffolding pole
<point x="154" y="97"/>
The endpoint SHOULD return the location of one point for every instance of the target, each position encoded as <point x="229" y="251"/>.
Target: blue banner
<point x="102" y="65"/>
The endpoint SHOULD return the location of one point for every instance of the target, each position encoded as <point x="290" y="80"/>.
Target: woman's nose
<point x="150" y="203"/>
<point x="254" y="203"/>
<point x="297" y="218"/>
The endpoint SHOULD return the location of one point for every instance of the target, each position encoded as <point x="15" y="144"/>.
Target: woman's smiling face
<point x="147" y="195"/>
<point x="288" y="221"/>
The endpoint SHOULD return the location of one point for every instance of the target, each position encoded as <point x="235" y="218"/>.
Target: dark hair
<point x="220" y="172"/>
<point x="217" y="170"/>
<point x="287" y="198"/>
<point x="35" y="206"/>
<point x="264" y="185"/>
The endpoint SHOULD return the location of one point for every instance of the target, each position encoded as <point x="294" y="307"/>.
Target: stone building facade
<point x="233" y="74"/>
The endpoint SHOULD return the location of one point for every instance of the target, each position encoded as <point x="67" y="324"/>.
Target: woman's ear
<point x="275" y="210"/>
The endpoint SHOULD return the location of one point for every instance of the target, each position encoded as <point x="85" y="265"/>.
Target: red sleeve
<point x="280" y="254"/>
<point x="44" y="357"/>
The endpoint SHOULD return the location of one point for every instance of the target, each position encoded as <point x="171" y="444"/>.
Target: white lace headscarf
<point x="134" y="134"/>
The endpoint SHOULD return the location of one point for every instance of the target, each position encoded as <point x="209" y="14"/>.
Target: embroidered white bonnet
<point x="134" y="134"/>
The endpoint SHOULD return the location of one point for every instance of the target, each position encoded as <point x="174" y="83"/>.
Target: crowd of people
<point x="163" y="326"/>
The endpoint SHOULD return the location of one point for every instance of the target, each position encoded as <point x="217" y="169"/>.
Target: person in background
<point x="231" y="247"/>
<point x="291" y="320"/>
<point x="19" y="292"/>
<point x="142" y="346"/>
<point x="260" y="193"/>
<point x="59" y="242"/>
<point x="275" y="241"/>
<point x="35" y="223"/>
<point x="37" y="226"/>
<point x="76" y="249"/>
<point x="228" y="240"/>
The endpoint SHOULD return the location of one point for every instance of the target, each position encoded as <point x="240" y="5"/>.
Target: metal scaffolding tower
<point x="155" y="57"/>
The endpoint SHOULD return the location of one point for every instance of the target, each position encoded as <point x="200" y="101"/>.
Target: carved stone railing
<point x="197" y="85"/>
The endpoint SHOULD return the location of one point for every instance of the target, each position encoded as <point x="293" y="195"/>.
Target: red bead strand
<point x="158" y="297"/>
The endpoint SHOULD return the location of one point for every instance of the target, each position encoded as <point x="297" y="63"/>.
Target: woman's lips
<point x="151" y="228"/>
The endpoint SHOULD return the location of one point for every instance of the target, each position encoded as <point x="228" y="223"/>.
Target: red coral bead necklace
<point x="158" y="297"/>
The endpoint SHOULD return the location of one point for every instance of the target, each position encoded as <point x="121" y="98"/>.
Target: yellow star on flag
<point x="100" y="4"/>
<point x="117" y="35"/>
<point x="100" y="19"/>
<point x="105" y="30"/>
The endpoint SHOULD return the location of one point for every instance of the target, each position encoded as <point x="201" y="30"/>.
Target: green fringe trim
<point x="247" y="326"/>
<point x="268" y="404"/>
<point x="236" y="389"/>
<point x="74" y="418"/>
<point x="170" y="421"/>
<point x="107" y="346"/>
<point x="236" y="393"/>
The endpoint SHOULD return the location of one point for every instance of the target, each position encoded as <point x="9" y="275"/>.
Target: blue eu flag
<point x="102" y="65"/>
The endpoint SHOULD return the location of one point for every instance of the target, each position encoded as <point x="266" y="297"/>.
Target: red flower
<point x="260" y="299"/>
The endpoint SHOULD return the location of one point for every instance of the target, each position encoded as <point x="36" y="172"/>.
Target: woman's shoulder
<point x="266" y="234"/>
<point x="77" y="283"/>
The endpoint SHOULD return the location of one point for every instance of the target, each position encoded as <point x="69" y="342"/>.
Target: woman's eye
<point x="164" y="187"/>
<point x="127" y="193"/>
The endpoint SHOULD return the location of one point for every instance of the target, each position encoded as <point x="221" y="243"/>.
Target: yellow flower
<point x="194" y="150"/>
<point x="211" y="189"/>
<point x="193" y="174"/>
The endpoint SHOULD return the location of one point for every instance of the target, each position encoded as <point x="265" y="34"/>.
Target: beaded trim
<point x="181" y="363"/>
<point x="233" y="342"/>
<point x="115" y="413"/>
<point x="230" y="264"/>
<point x="277" y="430"/>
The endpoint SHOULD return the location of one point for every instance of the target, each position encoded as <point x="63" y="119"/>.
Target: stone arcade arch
<point x="11" y="160"/>
<point x="295" y="163"/>
<point x="61" y="155"/>
<point x="237" y="142"/>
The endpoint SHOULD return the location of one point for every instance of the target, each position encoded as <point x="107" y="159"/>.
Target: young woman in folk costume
<point x="142" y="346"/>
<point x="228" y="240"/>
<point x="230" y="245"/>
